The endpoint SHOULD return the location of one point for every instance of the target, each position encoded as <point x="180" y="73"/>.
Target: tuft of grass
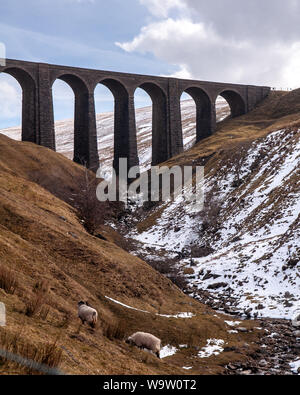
<point x="114" y="331"/>
<point x="48" y="354"/>
<point x="44" y="312"/>
<point x="39" y="297"/>
<point x="8" y="280"/>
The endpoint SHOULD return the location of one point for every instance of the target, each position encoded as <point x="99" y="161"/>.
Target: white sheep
<point x="145" y="340"/>
<point x="87" y="314"/>
<point x="296" y="316"/>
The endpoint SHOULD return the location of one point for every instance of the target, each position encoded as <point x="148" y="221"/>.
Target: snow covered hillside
<point x="105" y="125"/>
<point x="254" y="246"/>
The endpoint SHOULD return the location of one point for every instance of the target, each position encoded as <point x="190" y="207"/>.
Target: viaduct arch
<point x="36" y="80"/>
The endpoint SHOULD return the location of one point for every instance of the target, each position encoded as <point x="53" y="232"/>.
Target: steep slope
<point x="57" y="263"/>
<point x="245" y="243"/>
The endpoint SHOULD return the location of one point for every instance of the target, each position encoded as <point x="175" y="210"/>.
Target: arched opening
<point x="123" y="142"/>
<point x="18" y="97"/>
<point x="63" y="106"/>
<point x="203" y="119"/>
<point x="223" y="110"/>
<point x="10" y="107"/>
<point x="84" y="123"/>
<point x="143" y="117"/>
<point x="188" y="120"/>
<point x="104" y="105"/>
<point x="159" y="138"/>
<point x="235" y="102"/>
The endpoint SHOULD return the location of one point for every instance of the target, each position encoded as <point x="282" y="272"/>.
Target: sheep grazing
<point x="87" y="314"/>
<point x="145" y="340"/>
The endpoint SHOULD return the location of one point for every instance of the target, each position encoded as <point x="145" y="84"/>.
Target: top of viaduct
<point x="30" y="64"/>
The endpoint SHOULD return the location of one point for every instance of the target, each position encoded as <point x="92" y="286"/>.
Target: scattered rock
<point x="231" y="367"/>
<point x="246" y="373"/>
<point x="273" y="354"/>
<point x="230" y="349"/>
<point x="263" y="363"/>
<point x="242" y="329"/>
<point x="248" y="312"/>
<point x="210" y="275"/>
<point x="293" y="262"/>
<point x="231" y="310"/>
<point x="217" y="286"/>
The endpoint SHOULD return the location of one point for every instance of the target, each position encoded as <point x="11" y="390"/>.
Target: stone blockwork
<point x="36" y="80"/>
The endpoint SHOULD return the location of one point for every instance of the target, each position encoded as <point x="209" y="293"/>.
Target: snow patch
<point x="168" y="351"/>
<point x="213" y="347"/>
<point x="295" y="366"/>
<point x="233" y="323"/>
<point x="184" y="315"/>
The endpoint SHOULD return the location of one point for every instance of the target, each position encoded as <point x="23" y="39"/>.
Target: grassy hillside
<point x="48" y="262"/>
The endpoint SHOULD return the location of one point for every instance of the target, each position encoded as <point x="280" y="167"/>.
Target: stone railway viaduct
<point x="36" y="80"/>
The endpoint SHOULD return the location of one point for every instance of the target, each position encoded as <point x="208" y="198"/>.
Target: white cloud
<point x="179" y="30"/>
<point x="183" y="73"/>
<point x="161" y="8"/>
<point x="231" y="41"/>
<point x="291" y="71"/>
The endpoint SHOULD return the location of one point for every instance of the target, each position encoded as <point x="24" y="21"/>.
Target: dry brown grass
<point x="8" y="280"/>
<point x="38" y="299"/>
<point x="47" y="354"/>
<point x="114" y="330"/>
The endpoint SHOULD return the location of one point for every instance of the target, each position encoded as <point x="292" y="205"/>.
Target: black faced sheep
<point x="145" y="340"/>
<point x="87" y="314"/>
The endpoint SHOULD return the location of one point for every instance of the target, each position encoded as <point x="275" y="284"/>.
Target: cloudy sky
<point x="252" y="42"/>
